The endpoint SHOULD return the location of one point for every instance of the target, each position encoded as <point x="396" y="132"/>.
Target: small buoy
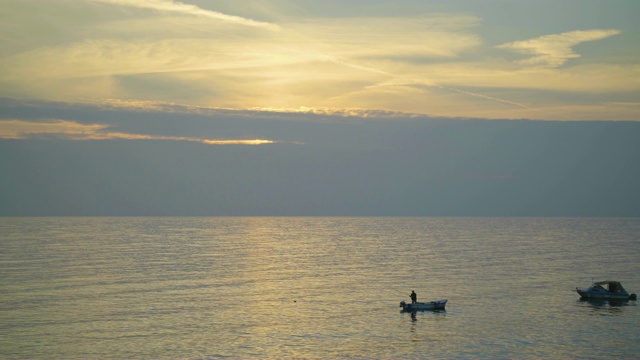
<point x="632" y="296"/>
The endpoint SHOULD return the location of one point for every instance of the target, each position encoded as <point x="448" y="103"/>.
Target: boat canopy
<point x="612" y="286"/>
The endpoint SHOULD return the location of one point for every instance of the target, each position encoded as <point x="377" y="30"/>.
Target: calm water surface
<point x="314" y="287"/>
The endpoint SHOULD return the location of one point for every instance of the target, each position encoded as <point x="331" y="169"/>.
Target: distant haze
<point x="321" y="165"/>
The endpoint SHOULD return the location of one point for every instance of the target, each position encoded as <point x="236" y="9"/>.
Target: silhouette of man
<point x="414" y="297"/>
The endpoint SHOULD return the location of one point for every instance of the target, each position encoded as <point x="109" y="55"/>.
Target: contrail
<point x="188" y="9"/>
<point x="433" y="84"/>
<point x="483" y="96"/>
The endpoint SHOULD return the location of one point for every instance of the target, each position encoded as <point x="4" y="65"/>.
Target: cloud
<point x="160" y="52"/>
<point x="554" y="50"/>
<point x="188" y="9"/>
<point x="382" y="38"/>
<point x="20" y="129"/>
<point x="70" y="130"/>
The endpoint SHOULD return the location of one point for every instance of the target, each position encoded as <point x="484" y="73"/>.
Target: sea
<point x="315" y="287"/>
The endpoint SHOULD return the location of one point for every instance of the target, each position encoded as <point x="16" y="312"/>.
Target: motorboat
<point x="419" y="306"/>
<point x="611" y="290"/>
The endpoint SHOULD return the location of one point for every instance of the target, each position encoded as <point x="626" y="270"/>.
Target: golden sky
<point x="551" y="60"/>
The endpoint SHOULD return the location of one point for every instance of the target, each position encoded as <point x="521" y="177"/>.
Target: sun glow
<point x="71" y="130"/>
<point x="237" y="142"/>
<point x="272" y="54"/>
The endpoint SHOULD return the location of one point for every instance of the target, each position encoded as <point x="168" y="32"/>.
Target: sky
<point x="351" y="107"/>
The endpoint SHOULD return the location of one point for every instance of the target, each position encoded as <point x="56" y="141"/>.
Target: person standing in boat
<point x="414" y="297"/>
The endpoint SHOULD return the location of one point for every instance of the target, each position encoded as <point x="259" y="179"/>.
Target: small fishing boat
<point x="605" y="290"/>
<point x="419" y="306"/>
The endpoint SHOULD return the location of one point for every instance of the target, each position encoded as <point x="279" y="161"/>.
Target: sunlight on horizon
<point x="71" y="130"/>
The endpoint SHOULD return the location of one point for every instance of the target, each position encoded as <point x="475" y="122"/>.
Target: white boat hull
<point x="431" y="305"/>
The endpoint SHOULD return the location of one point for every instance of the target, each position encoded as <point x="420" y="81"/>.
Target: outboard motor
<point x="402" y="303"/>
<point x="632" y="297"/>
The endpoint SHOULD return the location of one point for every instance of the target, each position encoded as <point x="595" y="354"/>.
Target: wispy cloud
<point x="196" y="54"/>
<point x="188" y="9"/>
<point x="374" y="38"/>
<point x="554" y="50"/>
<point x="70" y="130"/>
